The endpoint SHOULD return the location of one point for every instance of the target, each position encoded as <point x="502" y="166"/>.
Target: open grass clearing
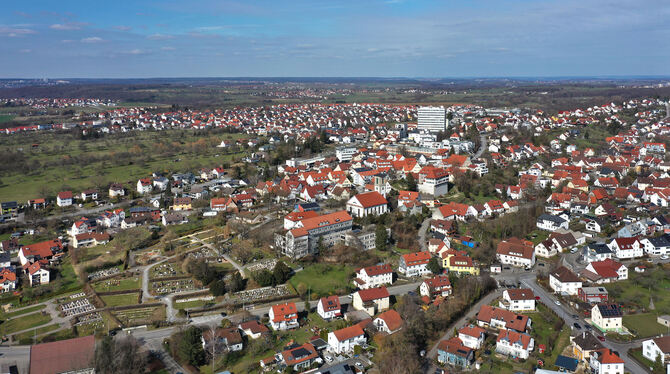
<point x="324" y="279"/>
<point x="27" y="310"/>
<point x="121" y="299"/>
<point x="24" y="323"/>
<point x="28" y="335"/>
<point x="644" y="325"/>
<point x="117" y="284"/>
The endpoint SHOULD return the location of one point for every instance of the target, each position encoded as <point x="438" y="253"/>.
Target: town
<point x="340" y="238"/>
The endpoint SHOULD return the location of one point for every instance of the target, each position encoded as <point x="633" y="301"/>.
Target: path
<point x="423" y="231"/>
<point x="224" y="255"/>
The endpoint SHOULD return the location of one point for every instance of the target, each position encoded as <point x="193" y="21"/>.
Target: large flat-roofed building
<point x="304" y="238"/>
<point x="432" y="119"/>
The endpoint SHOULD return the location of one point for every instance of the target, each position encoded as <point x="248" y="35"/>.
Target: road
<point x="550" y="301"/>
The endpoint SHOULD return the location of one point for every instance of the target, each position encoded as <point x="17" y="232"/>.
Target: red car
<point x="601" y="338"/>
<point x="537" y="298"/>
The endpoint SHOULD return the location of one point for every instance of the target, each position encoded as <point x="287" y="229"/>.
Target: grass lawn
<point x="192" y="304"/>
<point x="117" y="284"/>
<point x="324" y="279"/>
<point x="644" y="325"/>
<point x="58" y="335"/>
<point x="635" y="293"/>
<point x="119" y="300"/>
<point x="23" y="323"/>
<point x="31" y="309"/>
<point x="537" y="236"/>
<point x="28" y="335"/>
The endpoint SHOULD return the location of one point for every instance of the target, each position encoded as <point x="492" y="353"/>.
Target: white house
<point x="436" y="286"/>
<point x="116" y="190"/>
<point x="653" y="348"/>
<point x="515" y="344"/>
<point x="37" y="274"/>
<point x="564" y="281"/>
<point x="551" y="223"/>
<point x="329" y="307"/>
<point x="344" y="340"/>
<point x="433" y="181"/>
<point x="373" y="276"/>
<point x="658" y="246"/>
<point x="607" y="271"/>
<point x="606" y="361"/>
<point x="626" y="248"/>
<point x="144" y="186"/>
<point x="283" y="316"/>
<point x="519" y="299"/>
<point x="607" y="317"/>
<point x="369" y="203"/>
<point x="516" y="252"/>
<point x="388" y="322"/>
<point x="472" y="336"/>
<point x="64" y="198"/>
<point x="414" y="264"/>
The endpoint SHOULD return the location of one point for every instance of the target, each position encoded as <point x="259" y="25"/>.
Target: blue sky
<point x="381" y="38"/>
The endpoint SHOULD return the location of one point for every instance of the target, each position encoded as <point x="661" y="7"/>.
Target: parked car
<point x="665" y="257"/>
<point x="557" y="302"/>
<point x="601" y="338"/>
<point x="537" y="298"/>
<point x="577" y="326"/>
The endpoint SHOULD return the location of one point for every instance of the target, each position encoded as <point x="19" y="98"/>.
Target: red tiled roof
<point x="62" y="356"/>
<point x="374" y="270"/>
<point x="392" y="319"/>
<point x="330" y="303"/>
<point x="416" y="258"/>
<point x="348" y="333"/>
<point x="370" y="199"/>
<point x="283" y="311"/>
<point x="373" y="293"/>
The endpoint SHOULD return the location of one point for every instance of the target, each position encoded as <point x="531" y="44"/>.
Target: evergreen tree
<point x="381" y="237"/>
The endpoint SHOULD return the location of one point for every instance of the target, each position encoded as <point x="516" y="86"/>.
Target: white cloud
<point x="136" y="51"/>
<point x="67" y="26"/>
<point x="92" y="39"/>
<point x="15" y="31"/>
<point x="159" y="37"/>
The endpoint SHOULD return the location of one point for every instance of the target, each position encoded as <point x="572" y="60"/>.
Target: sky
<point x="314" y="38"/>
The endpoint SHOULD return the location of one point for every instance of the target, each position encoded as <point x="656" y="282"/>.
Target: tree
<point x="411" y="182"/>
<point x="281" y="272"/>
<point x="122" y="355"/>
<point x="264" y="278"/>
<point x="381" y="237"/>
<point x="434" y="265"/>
<point x="218" y="287"/>
<point x="236" y="282"/>
<point x="189" y="346"/>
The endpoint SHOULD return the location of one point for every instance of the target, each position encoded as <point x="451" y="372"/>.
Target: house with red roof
<point x="606" y="361"/>
<point x="626" y="248"/>
<point x="518" y="300"/>
<point x="433" y="181"/>
<point x="304" y="238"/>
<point x="344" y="340"/>
<point x="291" y="220"/>
<point x="515" y="344"/>
<point x="368" y="203"/>
<point x="455" y="353"/>
<point x="329" y="307"/>
<point x="42" y="251"/>
<point x="253" y="329"/>
<point x="516" y="252"/>
<point x="297" y="357"/>
<point x="389" y="322"/>
<point x="472" y="336"/>
<point x="144" y="186"/>
<point x="284" y="316"/>
<point x="373" y="276"/>
<point x="436" y="286"/>
<point x="414" y="264"/>
<point x="499" y="318"/>
<point x="605" y="271"/>
<point x="454" y="211"/>
<point x="37" y="274"/>
<point x="371" y="300"/>
<point x="64" y="198"/>
<point x="223" y="204"/>
<point x="8" y="279"/>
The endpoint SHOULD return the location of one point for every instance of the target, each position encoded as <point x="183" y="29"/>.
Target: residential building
<point x="297" y="357"/>
<point x="253" y="329"/>
<point x="498" y="318"/>
<point x="433" y="181"/>
<point x="658" y="246"/>
<point x="144" y="186"/>
<point x="432" y="119"/>
<point x="436" y="286"/>
<point x="516" y="252"/>
<point x="64" y="198"/>
<point x="584" y="344"/>
<point x="329" y="307"/>
<point x="229" y="338"/>
<point x="607" y="317"/>
<point x="284" y="316"/>
<point x="373" y="276"/>
<point x="606" y="361"/>
<point x="514" y="344"/>
<point x="564" y="281"/>
<point x="472" y="336"/>
<point x="593" y="295"/>
<point x="116" y="190"/>
<point x="655" y="348"/>
<point x="37" y="274"/>
<point x="89" y="239"/>
<point x="626" y="248"/>
<point x="371" y="300"/>
<point x="344" y="340"/>
<point x="414" y="264"/>
<point x="388" y="322"/>
<point x="551" y="223"/>
<point x="39" y="251"/>
<point x="453" y="352"/>
<point x="369" y="203"/>
<point x="8" y="278"/>
<point x="605" y="271"/>
<point x="304" y="239"/>
<point x="518" y="300"/>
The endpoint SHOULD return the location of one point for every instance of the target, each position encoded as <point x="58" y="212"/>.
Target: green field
<point x="27" y="310"/>
<point x="23" y="323"/>
<point x="323" y="279"/>
<point x="644" y="325"/>
<point x="636" y="292"/>
<point x="6" y="118"/>
<point x="30" y="334"/>
<point x="119" y="159"/>
<point x="120" y="300"/>
<point x="123" y="284"/>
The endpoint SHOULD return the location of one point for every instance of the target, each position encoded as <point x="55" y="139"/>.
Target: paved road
<point x="16" y="355"/>
<point x="462" y="322"/>
<point x="550" y="301"/>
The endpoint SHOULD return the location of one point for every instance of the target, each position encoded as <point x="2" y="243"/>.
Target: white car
<point x="665" y="257"/>
<point x="557" y="302"/>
